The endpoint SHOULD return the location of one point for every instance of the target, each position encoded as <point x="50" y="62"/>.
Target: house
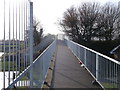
<point x="116" y="52"/>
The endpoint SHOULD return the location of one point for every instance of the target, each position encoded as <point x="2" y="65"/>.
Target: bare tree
<point x="107" y="22"/>
<point x="117" y="23"/>
<point x="78" y="23"/>
<point x="38" y="31"/>
<point x="91" y="21"/>
<point x="70" y="23"/>
<point x="88" y="13"/>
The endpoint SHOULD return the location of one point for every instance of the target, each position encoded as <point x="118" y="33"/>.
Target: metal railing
<point x="16" y="38"/>
<point x="44" y="43"/>
<point x="17" y="66"/>
<point x="39" y="70"/>
<point x="105" y="70"/>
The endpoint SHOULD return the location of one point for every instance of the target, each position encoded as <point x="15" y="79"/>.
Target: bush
<point x="103" y="47"/>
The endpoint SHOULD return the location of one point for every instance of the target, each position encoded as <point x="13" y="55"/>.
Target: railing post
<point x="85" y="61"/>
<point x="4" y="61"/>
<point x="118" y="78"/>
<point x="97" y="66"/>
<point x="31" y="43"/>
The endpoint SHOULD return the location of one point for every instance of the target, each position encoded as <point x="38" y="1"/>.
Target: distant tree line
<point x="92" y="22"/>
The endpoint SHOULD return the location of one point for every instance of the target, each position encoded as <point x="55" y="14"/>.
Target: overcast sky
<point x="49" y="11"/>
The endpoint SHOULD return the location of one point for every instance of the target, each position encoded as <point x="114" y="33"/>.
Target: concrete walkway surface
<point x="68" y="73"/>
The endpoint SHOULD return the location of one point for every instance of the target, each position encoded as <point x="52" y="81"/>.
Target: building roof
<point x="115" y="50"/>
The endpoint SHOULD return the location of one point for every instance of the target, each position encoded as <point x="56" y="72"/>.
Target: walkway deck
<point x="68" y="73"/>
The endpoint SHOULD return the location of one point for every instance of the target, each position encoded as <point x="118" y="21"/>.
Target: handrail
<point x="52" y="45"/>
<point x="44" y="51"/>
<point x="104" y="69"/>
<point x="117" y="62"/>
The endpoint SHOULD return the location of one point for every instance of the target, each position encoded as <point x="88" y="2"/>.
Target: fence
<point x="39" y="70"/>
<point x="44" y="43"/>
<point x="16" y="44"/>
<point x="104" y="69"/>
<point x="17" y="39"/>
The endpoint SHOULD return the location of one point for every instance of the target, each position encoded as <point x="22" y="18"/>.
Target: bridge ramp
<point x="68" y="73"/>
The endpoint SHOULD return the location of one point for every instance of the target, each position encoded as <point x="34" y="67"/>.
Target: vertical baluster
<point x="27" y="38"/>
<point x="97" y="67"/>
<point x="24" y="36"/>
<point x="31" y="42"/>
<point x="9" y="44"/>
<point x="13" y="46"/>
<point x="19" y="51"/>
<point x="118" y="76"/>
<point x="85" y="60"/>
<point x="107" y="71"/>
<point x="4" y="49"/>
<point x="114" y="73"/>
<point x="16" y="41"/>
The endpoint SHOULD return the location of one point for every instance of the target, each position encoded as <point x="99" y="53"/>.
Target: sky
<point x="48" y="12"/>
